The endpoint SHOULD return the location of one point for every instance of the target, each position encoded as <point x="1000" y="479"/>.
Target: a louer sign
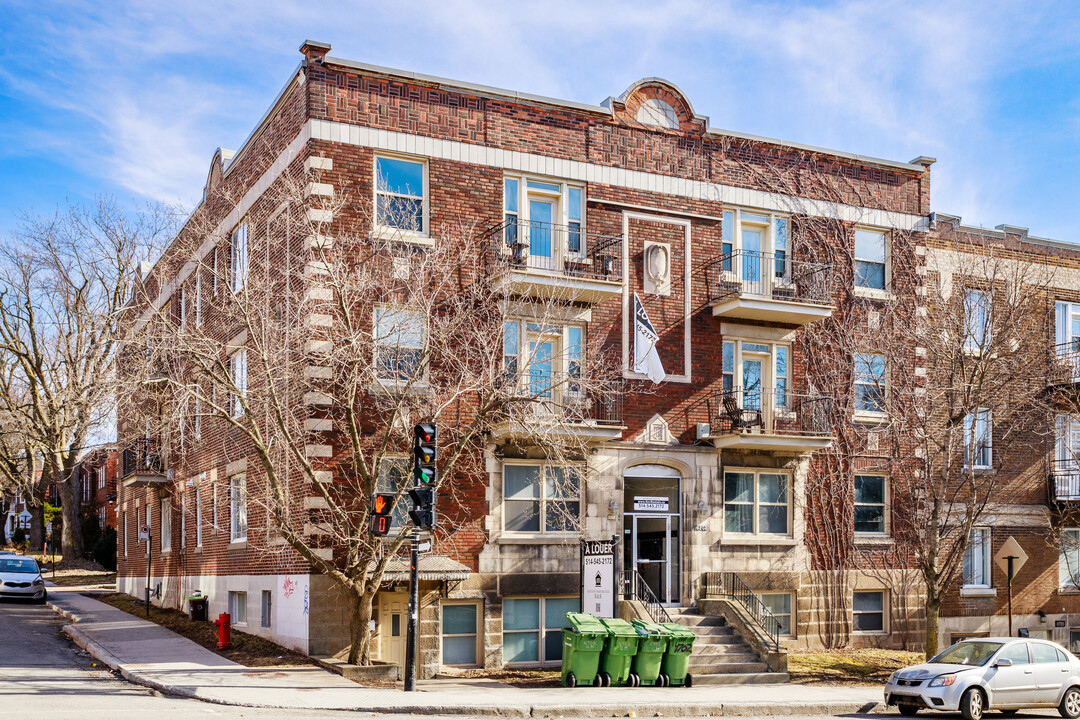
<point x="598" y="577"/>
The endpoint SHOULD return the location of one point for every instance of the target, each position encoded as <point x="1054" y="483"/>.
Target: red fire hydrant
<point x="224" y="631"/>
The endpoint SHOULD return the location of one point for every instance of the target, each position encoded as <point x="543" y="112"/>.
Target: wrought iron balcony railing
<point x="1065" y="363"/>
<point x="770" y="412"/>
<point x="769" y="275"/>
<point x="564" y="397"/>
<point x="142" y="457"/>
<point x="1065" y="478"/>
<point x="555" y="249"/>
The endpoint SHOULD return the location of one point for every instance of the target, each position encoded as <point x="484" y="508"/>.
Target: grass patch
<point x="863" y="666"/>
<point x="516" y="678"/>
<point x="246" y="649"/>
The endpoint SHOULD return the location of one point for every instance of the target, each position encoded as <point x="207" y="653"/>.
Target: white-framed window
<point x="102" y="473"/>
<point x="871" y="259"/>
<point x="102" y="518"/>
<point x="760" y="372"/>
<point x="1067" y="325"/>
<point x="868" y="611"/>
<point x="267" y="608"/>
<point x="394" y="474"/>
<point x="198" y="514"/>
<point x="125" y="526"/>
<point x="978" y="439"/>
<point x="238" y="265"/>
<point x="401" y="197"/>
<point x="871" y="504"/>
<point x="238" y="371"/>
<point x="399" y="343"/>
<point x="548" y="216"/>
<point x="214" y="507"/>
<point x="871" y="383"/>
<point x="238" y="525"/>
<point x="1069" y="559"/>
<point x="977" y="330"/>
<point x="977" y="558"/>
<point x="756" y="502"/>
<point x="545" y="359"/>
<point x="532" y="628"/>
<point x="238" y="608"/>
<point x="540" y="498"/>
<point x="198" y="298"/>
<point x="215" y="269"/>
<point x="183" y="306"/>
<point x="755" y="246"/>
<point x="183" y="520"/>
<point x="166" y="525"/>
<point x="779" y="604"/>
<point x="460" y="636"/>
<point x="198" y="418"/>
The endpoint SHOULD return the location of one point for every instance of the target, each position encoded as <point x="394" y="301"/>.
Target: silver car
<point x="20" y="577"/>
<point x="1006" y="674"/>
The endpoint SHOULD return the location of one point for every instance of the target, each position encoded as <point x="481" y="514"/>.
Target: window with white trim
<point x="871" y="259"/>
<point x="754" y="246"/>
<point x="759" y="372"/>
<point x="183" y="306"/>
<point x="198" y="515"/>
<point x="198" y="298"/>
<point x="238" y="608"/>
<point x="102" y="517"/>
<point x="238" y="525"/>
<point x="779" y="604"/>
<point x="267" y="608"/>
<point x="198" y="418"/>
<point x="125" y="534"/>
<point x="460" y="636"/>
<point x="166" y="525"/>
<point x="871" y="383"/>
<point x="238" y="371"/>
<point x="756" y="502"/>
<point x="868" y="611"/>
<point x="238" y="265"/>
<point x="400" y="194"/>
<point x="871" y="508"/>
<point x="1069" y="559"/>
<point x="399" y="343"/>
<point x="977" y="558"/>
<point x="978" y="439"/>
<point x="547" y="217"/>
<point x="102" y="473"/>
<point x="532" y="628"/>
<point x="977" y="331"/>
<point x="549" y="357"/>
<point x="216" y="269"/>
<point x="183" y="519"/>
<point x="540" y="498"/>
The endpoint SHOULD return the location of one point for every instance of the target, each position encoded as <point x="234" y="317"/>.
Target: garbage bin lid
<point x="678" y="630"/>
<point x="619" y="627"/>
<point x="645" y="627"/>
<point x="585" y="623"/>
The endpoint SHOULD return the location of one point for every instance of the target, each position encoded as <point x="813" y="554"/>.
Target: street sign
<point x="598" y="577"/>
<point x="423" y="546"/>
<point x="1010" y="548"/>
<point x="144" y="533"/>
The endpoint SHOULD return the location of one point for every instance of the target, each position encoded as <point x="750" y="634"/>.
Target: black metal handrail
<point x="769" y="274"/>
<point x="567" y="397"/>
<point x="731" y="586"/>
<point x="635" y="588"/>
<point x="559" y="249"/>
<point x="142" y="456"/>
<point x="771" y="412"/>
<point x="1065" y="476"/>
<point x="1065" y="363"/>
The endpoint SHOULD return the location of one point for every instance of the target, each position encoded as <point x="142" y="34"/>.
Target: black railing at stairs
<point x="635" y="588"/>
<point x="729" y="585"/>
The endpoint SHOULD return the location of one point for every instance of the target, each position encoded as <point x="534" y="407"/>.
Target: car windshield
<point x="18" y="565"/>
<point x="967" y="653"/>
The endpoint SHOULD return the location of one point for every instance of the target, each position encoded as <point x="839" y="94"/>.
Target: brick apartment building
<point x="771" y="272"/>
<point x="97" y="471"/>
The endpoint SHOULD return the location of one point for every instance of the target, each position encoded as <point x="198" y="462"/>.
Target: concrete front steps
<point x="720" y="656"/>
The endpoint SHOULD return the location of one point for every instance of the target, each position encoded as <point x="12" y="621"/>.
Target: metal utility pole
<point x="413" y="626"/>
<point x="1011" y="559"/>
<point x="149" y="556"/>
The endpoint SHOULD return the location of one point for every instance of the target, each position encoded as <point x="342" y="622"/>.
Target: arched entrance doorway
<point x="651" y="528"/>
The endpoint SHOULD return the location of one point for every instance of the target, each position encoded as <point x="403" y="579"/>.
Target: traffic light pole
<point x="412" y="634"/>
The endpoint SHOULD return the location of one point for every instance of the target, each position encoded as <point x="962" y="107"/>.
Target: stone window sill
<point x="753" y="540"/>
<point x="978" y="592"/>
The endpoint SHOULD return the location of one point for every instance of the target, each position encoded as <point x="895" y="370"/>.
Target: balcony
<point x="542" y="260"/>
<point x="769" y="287"/>
<point x="1065" y="365"/>
<point x="546" y="404"/>
<point x="771" y="421"/>
<point x="141" y="464"/>
<point x="1065" y="479"/>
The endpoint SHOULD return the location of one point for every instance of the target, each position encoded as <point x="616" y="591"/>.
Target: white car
<point x="20" y="577"/>
<point x="1006" y="674"/>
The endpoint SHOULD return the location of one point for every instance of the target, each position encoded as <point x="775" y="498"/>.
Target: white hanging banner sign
<point x="646" y="359"/>
<point x="598" y="577"/>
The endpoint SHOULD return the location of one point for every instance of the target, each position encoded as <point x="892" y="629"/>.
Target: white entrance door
<point x="393" y="614"/>
<point x="654" y="553"/>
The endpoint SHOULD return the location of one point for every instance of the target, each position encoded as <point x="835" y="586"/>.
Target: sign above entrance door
<point x="650" y="504"/>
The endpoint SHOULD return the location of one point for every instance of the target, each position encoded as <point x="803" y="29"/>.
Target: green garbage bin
<point x="619" y="650"/>
<point x="653" y="643"/>
<point x="674" y="669"/>
<point x="582" y="643"/>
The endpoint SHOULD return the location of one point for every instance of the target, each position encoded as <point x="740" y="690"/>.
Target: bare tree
<point x="63" y="282"/>
<point x="313" y="342"/>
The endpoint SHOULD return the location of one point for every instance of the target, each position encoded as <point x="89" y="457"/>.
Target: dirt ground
<point x="246" y="649"/>
<point x="848" y="667"/>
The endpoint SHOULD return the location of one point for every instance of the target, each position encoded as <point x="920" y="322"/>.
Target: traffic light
<point x="382" y="505"/>
<point x="425" y="453"/>
<point x="423" y="512"/>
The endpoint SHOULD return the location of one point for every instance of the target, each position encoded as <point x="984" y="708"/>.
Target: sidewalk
<point x="150" y="655"/>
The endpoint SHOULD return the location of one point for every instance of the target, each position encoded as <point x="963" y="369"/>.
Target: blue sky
<point x="131" y="99"/>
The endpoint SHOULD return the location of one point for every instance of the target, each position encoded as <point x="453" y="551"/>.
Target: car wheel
<point x="908" y="710"/>
<point x="972" y="704"/>
<point x="1070" y="704"/>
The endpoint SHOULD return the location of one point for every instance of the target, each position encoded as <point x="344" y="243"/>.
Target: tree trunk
<point x="71" y="541"/>
<point x="933" y="609"/>
<point x="36" y="506"/>
<point x="359" y="630"/>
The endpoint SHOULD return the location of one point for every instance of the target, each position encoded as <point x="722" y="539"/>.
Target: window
<point x="399" y="343"/>
<point x="166" y="525"/>
<point x="760" y="372"/>
<point x="1018" y="654"/>
<point x="198" y="516"/>
<point x="198" y="298"/>
<point x="125" y="534"/>
<point x="1041" y="653"/>
<point x="779" y="604"/>
<point x="977" y="558"/>
<point x="548" y="357"/>
<point x="239" y="258"/>
<point x="547" y="216"/>
<point x="216" y="269"/>
<point x="399" y="194"/>
<point x="213" y="506"/>
<point x="870" y="254"/>
<point x="183" y="520"/>
<point x="394" y="474"/>
<point x="198" y="418"/>
<point x="870" y="504"/>
<point x="532" y="506"/>
<point x="459" y="637"/>
<point x="755" y="247"/>
<point x="756" y="502"/>
<point x="870" y="383"/>
<point x="511" y="349"/>
<point x="532" y="628"/>
<point x="267" y="608"/>
<point x="101" y="475"/>
<point x="238" y="372"/>
<point x="101" y="517"/>
<point x="183" y="306"/>
<point x="868" y="611"/>
<point x="978" y="436"/>
<point x="238" y="608"/>
<point x="237" y="508"/>
<point x="1069" y="559"/>
<point x="976" y="319"/>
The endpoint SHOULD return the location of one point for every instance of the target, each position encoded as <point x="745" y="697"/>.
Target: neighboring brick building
<point x="97" y="471"/>
<point x="774" y="275"/>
